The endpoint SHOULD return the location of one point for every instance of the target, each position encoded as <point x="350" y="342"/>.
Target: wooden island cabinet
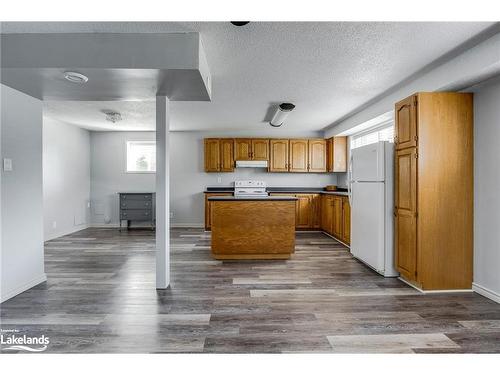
<point x="252" y="228"/>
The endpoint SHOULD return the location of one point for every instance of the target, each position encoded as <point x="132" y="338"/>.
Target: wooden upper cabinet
<point x="406" y="123"/>
<point x="242" y="149"/>
<point x="260" y="149"/>
<point x="317" y="155"/>
<point x="212" y="155"/>
<point x="405" y="198"/>
<point x="278" y="161"/>
<point x="226" y="155"/>
<point x="336" y="154"/>
<point x="298" y="155"/>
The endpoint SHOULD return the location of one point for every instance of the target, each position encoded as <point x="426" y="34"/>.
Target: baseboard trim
<point x="172" y="225"/>
<point x="437" y="291"/>
<point x="485" y="292"/>
<point x="65" y="233"/>
<point x="187" y="225"/>
<point x="335" y="238"/>
<point x="22" y="288"/>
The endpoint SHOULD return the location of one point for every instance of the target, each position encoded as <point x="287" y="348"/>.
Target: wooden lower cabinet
<point x="327" y="213"/>
<point x="208" y="213"/>
<point x="303" y="211"/>
<point x="336" y="217"/>
<point x="346" y="218"/>
<point x="337" y="228"/>
<point x="316" y="211"/>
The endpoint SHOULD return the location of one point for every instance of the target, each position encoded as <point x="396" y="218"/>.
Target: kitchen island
<point x="252" y="228"/>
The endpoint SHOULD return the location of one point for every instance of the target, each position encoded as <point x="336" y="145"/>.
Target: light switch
<point x="7" y="165"/>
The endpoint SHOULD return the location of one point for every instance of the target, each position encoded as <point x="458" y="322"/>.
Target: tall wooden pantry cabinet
<point x="434" y="190"/>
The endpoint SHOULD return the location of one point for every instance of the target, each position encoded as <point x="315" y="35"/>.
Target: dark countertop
<point x="268" y="198"/>
<point x="291" y="190"/>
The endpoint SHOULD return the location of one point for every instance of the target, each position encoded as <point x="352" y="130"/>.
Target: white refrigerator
<point x="371" y="172"/>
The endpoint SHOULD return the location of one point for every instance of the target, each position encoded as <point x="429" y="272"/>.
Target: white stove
<point x="250" y="188"/>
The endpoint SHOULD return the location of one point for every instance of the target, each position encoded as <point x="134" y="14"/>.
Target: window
<point x="380" y="133"/>
<point x="141" y="156"/>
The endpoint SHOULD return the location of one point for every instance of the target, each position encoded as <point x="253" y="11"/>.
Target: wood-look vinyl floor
<point x="100" y="297"/>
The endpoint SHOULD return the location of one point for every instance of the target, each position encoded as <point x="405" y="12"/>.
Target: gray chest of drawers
<point x="137" y="207"/>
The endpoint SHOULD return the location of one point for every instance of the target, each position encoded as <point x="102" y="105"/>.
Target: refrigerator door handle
<point x="349" y="181"/>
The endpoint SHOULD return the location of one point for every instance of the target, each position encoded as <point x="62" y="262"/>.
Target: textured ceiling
<point x="91" y="115"/>
<point x="326" y="69"/>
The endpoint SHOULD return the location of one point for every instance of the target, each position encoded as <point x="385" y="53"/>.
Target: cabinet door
<point x="405" y="225"/>
<point x="316" y="211"/>
<point x="242" y="149"/>
<point x="406" y="123"/>
<point x="260" y="149"/>
<point x="227" y="155"/>
<point x="329" y="155"/>
<point x="303" y="210"/>
<point x="212" y="155"/>
<point x="317" y="155"/>
<point x="336" y="152"/>
<point x="339" y="154"/>
<point x="326" y="213"/>
<point x="298" y="155"/>
<point x="279" y="155"/>
<point x="208" y="212"/>
<point x="346" y="220"/>
<point x="337" y="217"/>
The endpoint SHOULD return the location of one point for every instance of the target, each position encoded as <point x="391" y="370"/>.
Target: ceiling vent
<point x="112" y="116"/>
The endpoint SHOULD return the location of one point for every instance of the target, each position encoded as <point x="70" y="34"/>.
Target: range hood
<point x="251" y="164"/>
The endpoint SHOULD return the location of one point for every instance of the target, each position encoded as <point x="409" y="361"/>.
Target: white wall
<point x="487" y="189"/>
<point x="21" y="189"/>
<point x="108" y="174"/>
<point x="66" y="178"/>
<point x="188" y="179"/>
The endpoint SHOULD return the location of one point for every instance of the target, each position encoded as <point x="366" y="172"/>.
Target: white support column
<point x="162" y="194"/>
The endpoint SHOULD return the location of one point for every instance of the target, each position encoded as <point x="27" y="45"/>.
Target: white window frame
<point x="374" y="129"/>
<point x="127" y="143"/>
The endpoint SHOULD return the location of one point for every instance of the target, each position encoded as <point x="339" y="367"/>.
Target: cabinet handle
<point x="396" y="140"/>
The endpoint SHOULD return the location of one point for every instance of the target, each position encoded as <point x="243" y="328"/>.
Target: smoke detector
<point x="75" y="77"/>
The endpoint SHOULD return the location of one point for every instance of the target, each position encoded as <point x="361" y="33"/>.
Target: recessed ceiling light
<point x="75" y="77"/>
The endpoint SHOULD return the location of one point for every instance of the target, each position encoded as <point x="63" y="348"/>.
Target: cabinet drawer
<point x="136" y="215"/>
<point x="136" y="197"/>
<point x="136" y="204"/>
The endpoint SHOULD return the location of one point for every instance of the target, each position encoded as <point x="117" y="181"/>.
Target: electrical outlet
<point x="171" y="215"/>
<point x="54" y="224"/>
<point x="219" y="180"/>
<point x="7" y="165"/>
